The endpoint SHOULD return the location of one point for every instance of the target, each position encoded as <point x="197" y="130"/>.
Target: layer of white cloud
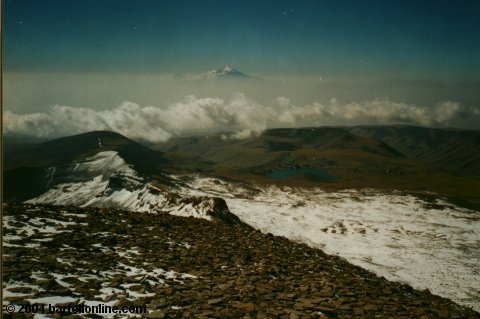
<point x="240" y="115"/>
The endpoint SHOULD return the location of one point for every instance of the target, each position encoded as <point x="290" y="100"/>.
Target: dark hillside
<point x="67" y="149"/>
<point x="457" y="151"/>
<point x="27" y="166"/>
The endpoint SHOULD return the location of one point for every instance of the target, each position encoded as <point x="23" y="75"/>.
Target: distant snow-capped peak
<point x="225" y="71"/>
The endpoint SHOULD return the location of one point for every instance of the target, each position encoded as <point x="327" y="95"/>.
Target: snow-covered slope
<point x="429" y="245"/>
<point x="106" y="180"/>
<point x="225" y="72"/>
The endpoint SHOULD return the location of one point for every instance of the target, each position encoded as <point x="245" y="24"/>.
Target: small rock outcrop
<point x="219" y="210"/>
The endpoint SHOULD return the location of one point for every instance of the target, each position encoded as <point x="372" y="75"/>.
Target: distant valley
<point x="404" y="158"/>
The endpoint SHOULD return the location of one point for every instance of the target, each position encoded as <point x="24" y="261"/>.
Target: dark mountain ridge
<point x="27" y="167"/>
<point x="431" y="160"/>
<point x="333" y="137"/>
<point x="457" y="151"/>
<point x="66" y="149"/>
<point x="216" y="148"/>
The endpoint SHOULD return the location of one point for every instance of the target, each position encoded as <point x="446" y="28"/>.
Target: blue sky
<point x="392" y="39"/>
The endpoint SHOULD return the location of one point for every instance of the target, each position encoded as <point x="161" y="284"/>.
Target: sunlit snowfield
<point x="400" y="237"/>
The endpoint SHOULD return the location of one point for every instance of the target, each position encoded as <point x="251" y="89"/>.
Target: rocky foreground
<point x="191" y="268"/>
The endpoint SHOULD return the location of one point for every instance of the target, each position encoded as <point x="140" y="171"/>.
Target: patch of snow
<point x="64" y="261"/>
<point x="59" y="279"/>
<point x="6" y="293"/>
<point x="52" y="300"/>
<point x="8" y="237"/>
<point x="186" y="245"/>
<point x="29" y="245"/>
<point x="75" y="215"/>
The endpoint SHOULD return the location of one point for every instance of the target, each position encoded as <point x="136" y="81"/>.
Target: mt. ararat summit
<point x="226" y="72"/>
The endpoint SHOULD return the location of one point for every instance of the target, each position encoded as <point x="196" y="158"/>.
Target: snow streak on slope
<point x="401" y="237"/>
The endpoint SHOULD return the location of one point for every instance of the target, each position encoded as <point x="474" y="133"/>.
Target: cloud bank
<point x="241" y="116"/>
